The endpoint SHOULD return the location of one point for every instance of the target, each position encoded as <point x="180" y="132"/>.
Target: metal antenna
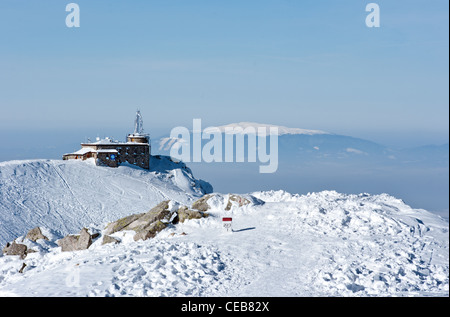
<point x="138" y="123"/>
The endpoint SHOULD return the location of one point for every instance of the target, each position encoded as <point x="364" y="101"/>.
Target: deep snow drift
<point x="67" y="195"/>
<point x="320" y="244"/>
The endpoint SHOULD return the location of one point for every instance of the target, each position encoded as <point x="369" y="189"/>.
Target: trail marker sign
<point x="227" y="222"/>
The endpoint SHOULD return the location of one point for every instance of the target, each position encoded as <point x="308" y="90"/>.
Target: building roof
<point x="82" y="151"/>
<point x="103" y="141"/>
<point x="109" y="141"/>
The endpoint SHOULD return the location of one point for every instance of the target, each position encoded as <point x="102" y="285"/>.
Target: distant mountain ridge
<point x="306" y="144"/>
<point x="234" y="128"/>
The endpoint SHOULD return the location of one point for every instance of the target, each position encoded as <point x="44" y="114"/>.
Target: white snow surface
<point x="319" y="244"/>
<point x="67" y="195"/>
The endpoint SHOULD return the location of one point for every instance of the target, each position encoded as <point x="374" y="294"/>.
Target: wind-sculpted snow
<point x="370" y="245"/>
<point x="282" y="244"/>
<point x="67" y="195"/>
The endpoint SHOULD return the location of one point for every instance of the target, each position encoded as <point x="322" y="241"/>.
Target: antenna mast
<point x="138" y="123"/>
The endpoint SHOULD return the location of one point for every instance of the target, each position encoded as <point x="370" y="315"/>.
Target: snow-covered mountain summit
<point x="243" y="127"/>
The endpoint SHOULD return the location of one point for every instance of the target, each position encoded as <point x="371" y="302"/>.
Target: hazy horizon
<point x="64" y="140"/>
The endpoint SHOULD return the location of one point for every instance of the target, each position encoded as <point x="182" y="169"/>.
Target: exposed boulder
<point x="202" y="203"/>
<point x="149" y="231"/>
<point x="152" y="222"/>
<point x="149" y="224"/>
<point x="225" y="202"/>
<point x="15" y="249"/>
<point x="84" y="240"/>
<point x="185" y="214"/>
<point x="157" y="213"/>
<point x="120" y="224"/>
<point x="69" y="243"/>
<point x="141" y="222"/>
<point x="108" y="239"/>
<point x="35" y="234"/>
<point x="236" y="199"/>
<point x="76" y="242"/>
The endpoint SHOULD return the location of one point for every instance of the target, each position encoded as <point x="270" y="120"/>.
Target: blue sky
<point x="308" y="64"/>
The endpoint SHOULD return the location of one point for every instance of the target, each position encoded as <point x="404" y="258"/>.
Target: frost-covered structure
<point x="108" y="152"/>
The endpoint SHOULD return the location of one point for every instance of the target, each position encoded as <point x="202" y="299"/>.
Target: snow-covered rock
<point x="225" y="202"/>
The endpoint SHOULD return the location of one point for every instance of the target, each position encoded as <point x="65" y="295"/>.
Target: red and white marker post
<point x="227" y="223"/>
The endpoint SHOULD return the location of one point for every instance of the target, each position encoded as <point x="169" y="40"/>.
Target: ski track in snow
<point x="67" y="195"/>
<point x="320" y="244"/>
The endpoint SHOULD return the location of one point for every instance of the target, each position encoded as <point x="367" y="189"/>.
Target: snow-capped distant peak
<point x="247" y="127"/>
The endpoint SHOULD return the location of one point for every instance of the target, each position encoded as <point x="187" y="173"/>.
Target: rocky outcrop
<point x="76" y="242"/>
<point x="202" y="203"/>
<point x="145" y="225"/>
<point x="160" y="212"/>
<point x="84" y="239"/>
<point x="186" y="214"/>
<point x="23" y="250"/>
<point x="149" y="231"/>
<point x="15" y="249"/>
<point x="35" y="234"/>
<point x="224" y="201"/>
<point x="68" y="243"/>
<point x="236" y="199"/>
<point x="157" y="219"/>
<point x="108" y="239"/>
<point x="120" y="224"/>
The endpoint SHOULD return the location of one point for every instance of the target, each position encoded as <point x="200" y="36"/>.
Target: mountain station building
<point x="108" y="152"/>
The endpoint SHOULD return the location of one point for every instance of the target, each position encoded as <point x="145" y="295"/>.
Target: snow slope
<point x="67" y="195"/>
<point x="320" y="244"/>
